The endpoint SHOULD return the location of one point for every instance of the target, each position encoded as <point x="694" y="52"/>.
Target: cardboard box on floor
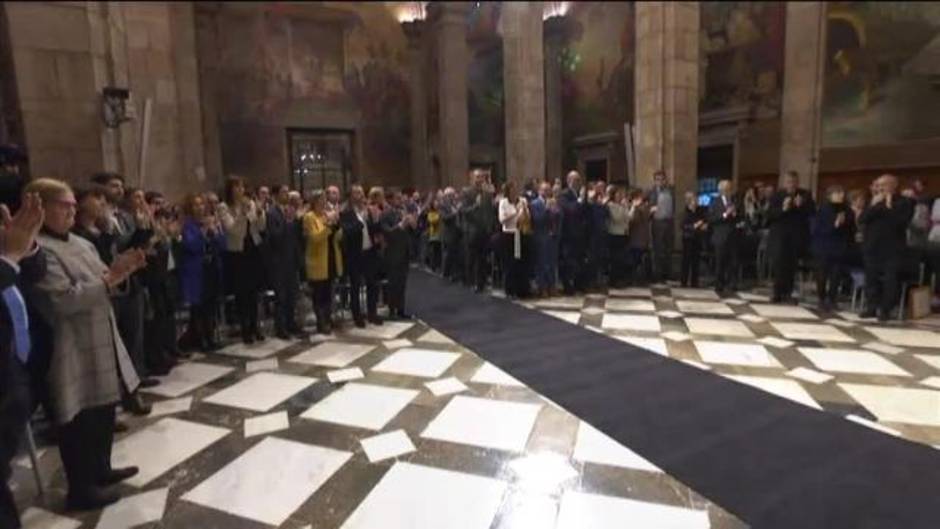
<point x="918" y="302"/>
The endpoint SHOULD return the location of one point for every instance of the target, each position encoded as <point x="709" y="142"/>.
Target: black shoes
<point x="361" y="324"/>
<point x="117" y="475"/>
<point x="148" y="382"/>
<point x="134" y="404"/>
<point x="375" y="320"/>
<point x="867" y="313"/>
<point x="91" y="499"/>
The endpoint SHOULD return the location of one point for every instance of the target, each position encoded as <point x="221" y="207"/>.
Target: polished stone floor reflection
<point x="393" y="427"/>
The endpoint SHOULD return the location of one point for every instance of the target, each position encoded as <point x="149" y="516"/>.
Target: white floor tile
<point x="699" y="365"/>
<point x="434" y="336"/>
<point x="716" y="327"/>
<point x="671" y="314"/>
<point x="851" y="361"/>
<point x="487" y="423"/>
<point x="782" y="387"/>
<point x="161" y="446"/>
<point x="529" y="510"/>
<point x="819" y="332"/>
<point x="561" y="303"/>
<point x="883" y="348"/>
<point x="187" y="377"/>
<point x="269" y="481"/>
<point x="387" y="331"/>
<point x="933" y="382"/>
<point x="418" y="497"/>
<point x="906" y="337"/>
<point x="695" y="293"/>
<point x="332" y="354"/>
<point x="901" y="405"/>
<point x="635" y="292"/>
<point x="254" y="366"/>
<point x="809" y="375"/>
<point x="752" y="318"/>
<point x="788" y="312"/>
<point x="637" y="305"/>
<point x="256" y="350"/>
<point x="676" y="336"/>
<point x="345" y="375"/>
<point x="873" y="425"/>
<point x="840" y="322"/>
<point x="738" y="354"/>
<point x="36" y="518"/>
<point x="853" y="317"/>
<point x="773" y="341"/>
<point x="753" y="297"/>
<point x="261" y="391"/>
<point x="262" y="424"/>
<point x="541" y="472"/>
<point x="386" y="445"/>
<point x="445" y="386"/>
<point x="631" y="322"/>
<point x="580" y="510"/>
<point x="397" y="344"/>
<point x="417" y="362"/>
<point x="592" y="311"/>
<point x="566" y="315"/>
<point x="135" y="510"/>
<point x="490" y="374"/>
<point x="735" y="301"/>
<point x="593" y="446"/>
<point x="931" y="360"/>
<point x="704" y="307"/>
<point x="656" y="345"/>
<point x="169" y="407"/>
<point x="361" y="405"/>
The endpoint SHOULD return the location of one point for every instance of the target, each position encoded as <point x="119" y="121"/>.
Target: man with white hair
<point x="725" y="216"/>
<point x="885" y="223"/>
<point x="574" y="232"/>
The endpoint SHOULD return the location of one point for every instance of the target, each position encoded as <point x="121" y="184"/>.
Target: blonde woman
<point x="323" y="259"/>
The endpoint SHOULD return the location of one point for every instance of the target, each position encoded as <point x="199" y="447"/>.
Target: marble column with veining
<point x="800" y="133"/>
<point x="415" y="32"/>
<point x="450" y="40"/>
<point x="554" y="35"/>
<point x="524" y="90"/>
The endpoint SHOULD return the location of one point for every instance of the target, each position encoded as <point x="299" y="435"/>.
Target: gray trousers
<point x="663" y="233"/>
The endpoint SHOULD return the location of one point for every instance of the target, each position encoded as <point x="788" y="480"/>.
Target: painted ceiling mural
<point x="882" y="83"/>
<point x="742" y="55"/>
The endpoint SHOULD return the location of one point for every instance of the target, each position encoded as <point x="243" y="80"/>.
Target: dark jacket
<point x="789" y="230"/>
<point x="885" y="228"/>
<point x="831" y="242"/>
<point x="575" y="217"/>
<point x="353" y="231"/>
<point x="689" y="218"/>
<point x="396" y="238"/>
<point x="199" y="255"/>
<point x="283" y="243"/>
<point x="724" y="228"/>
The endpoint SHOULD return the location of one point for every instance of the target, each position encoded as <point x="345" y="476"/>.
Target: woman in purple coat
<point x="200" y="271"/>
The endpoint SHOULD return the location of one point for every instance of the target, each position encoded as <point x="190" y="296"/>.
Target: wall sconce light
<point x="114" y="106"/>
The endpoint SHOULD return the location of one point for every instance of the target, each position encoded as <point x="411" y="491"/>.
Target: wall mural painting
<point x="882" y="69"/>
<point x="485" y="76"/>
<point x="597" y="77"/>
<point x="742" y="55"/>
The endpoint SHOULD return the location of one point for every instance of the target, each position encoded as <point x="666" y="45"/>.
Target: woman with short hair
<point x="74" y="296"/>
<point x="323" y="259"/>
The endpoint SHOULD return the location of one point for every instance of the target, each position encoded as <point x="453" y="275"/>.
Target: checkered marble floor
<point x="394" y="427"/>
<point x="885" y="376"/>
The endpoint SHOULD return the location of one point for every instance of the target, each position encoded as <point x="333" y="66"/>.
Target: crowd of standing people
<point x="93" y="277"/>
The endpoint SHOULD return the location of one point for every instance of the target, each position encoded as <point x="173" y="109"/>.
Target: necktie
<point x="17" y="309"/>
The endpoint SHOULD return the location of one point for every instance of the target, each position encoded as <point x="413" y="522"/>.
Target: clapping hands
<point x="123" y="266"/>
<point x="18" y="232"/>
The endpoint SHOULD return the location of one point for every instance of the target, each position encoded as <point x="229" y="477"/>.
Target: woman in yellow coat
<point x="323" y="260"/>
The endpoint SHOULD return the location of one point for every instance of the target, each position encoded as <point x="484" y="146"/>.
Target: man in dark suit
<point x="724" y="216"/>
<point x="360" y="255"/>
<point x="282" y="244"/>
<point x="397" y="225"/>
<point x="788" y="216"/>
<point x="574" y="228"/>
<point x="478" y="219"/>
<point x="885" y="223"/>
<point x="17" y="242"/>
<point x="450" y="236"/>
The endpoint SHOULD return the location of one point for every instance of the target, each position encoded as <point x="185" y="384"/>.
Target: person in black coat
<point x="397" y="225"/>
<point x="694" y="225"/>
<point x="575" y="222"/>
<point x="788" y="216"/>
<point x="833" y="233"/>
<point x="884" y="242"/>
<point x="725" y="216"/>
<point x="283" y="245"/>
<point x="17" y="246"/>
<point x="361" y="257"/>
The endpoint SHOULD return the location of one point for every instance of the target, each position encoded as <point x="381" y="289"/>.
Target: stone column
<point x="805" y="60"/>
<point x="184" y="52"/>
<point x="524" y="89"/>
<point x="450" y="41"/>
<point x="554" y="31"/>
<point x="419" y="112"/>
<point x="666" y="102"/>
